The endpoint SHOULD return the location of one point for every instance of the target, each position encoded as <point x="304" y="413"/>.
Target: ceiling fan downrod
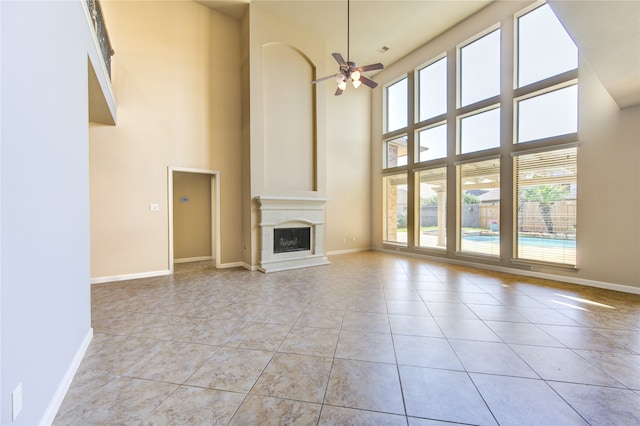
<point x="349" y="70"/>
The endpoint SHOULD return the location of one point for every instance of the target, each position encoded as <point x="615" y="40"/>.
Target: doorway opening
<point x="194" y="216"/>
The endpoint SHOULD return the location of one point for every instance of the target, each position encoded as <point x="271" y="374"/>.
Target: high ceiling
<point x="606" y="31"/>
<point x="608" y="36"/>
<point x="400" y="25"/>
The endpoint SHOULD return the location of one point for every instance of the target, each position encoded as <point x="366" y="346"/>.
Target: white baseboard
<point x="192" y="259"/>
<point x="249" y="267"/>
<point x="124" y="277"/>
<point x="563" y="278"/>
<point x="230" y="265"/>
<point x="347" y="251"/>
<point x="581" y="281"/>
<point x="63" y="387"/>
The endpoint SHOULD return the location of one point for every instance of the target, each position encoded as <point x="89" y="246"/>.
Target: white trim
<point x="230" y="265"/>
<point x="94" y="36"/>
<point x="563" y="278"/>
<point x="477" y="159"/>
<point x="286" y="264"/>
<point x="215" y="213"/>
<point x="106" y="76"/>
<point x="125" y="277"/>
<point x="282" y="212"/>
<point x="63" y="387"/>
<point x="347" y="251"/>
<point x="544" y="149"/>
<point x="193" y="259"/>
<point x="248" y="267"/>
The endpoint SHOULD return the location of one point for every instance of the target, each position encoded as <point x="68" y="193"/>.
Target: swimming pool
<point x="527" y="241"/>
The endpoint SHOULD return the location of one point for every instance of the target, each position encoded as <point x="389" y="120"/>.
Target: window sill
<point x="535" y="265"/>
<point x="439" y="250"/>
<point x="394" y="245"/>
<point x="478" y="256"/>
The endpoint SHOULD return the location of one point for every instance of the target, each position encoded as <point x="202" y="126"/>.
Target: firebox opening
<point x="291" y="239"/>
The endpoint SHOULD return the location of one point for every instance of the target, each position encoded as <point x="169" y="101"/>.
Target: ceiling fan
<point x="350" y="70"/>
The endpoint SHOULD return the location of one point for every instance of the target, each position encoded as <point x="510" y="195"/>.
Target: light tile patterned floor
<point x="371" y="339"/>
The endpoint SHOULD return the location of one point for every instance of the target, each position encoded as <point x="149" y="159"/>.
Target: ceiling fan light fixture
<point x="349" y="70"/>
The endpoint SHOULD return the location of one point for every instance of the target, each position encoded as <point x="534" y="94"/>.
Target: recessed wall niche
<point x="289" y="120"/>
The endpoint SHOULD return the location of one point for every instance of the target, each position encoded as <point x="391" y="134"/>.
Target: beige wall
<point x="608" y="186"/>
<point x="176" y="78"/>
<point x="348" y="167"/>
<point x="273" y="150"/>
<point x="289" y="120"/>
<point x="191" y="215"/>
<point x="608" y="173"/>
<point x="265" y="30"/>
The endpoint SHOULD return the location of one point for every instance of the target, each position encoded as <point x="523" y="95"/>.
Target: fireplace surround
<point x="288" y="217"/>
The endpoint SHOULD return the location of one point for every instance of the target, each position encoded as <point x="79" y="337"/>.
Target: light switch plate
<point x="16" y="402"/>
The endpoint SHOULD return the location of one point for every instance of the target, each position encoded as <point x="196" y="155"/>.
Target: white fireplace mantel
<point x="286" y="212"/>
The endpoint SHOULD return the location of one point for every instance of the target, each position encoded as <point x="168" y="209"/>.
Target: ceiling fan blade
<point x="339" y="59"/>
<point x="339" y="91"/>
<point x="325" y="78"/>
<point x="368" y="82"/>
<point x="371" y="67"/>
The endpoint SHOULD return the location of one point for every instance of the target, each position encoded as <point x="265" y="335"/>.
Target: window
<point x="546" y="188"/>
<point x="395" y="208"/>
<point x="527" y="118"/>
<point x="396" y="152"/>
<point x="396" y="95"/>
<point x="550" y="114"/>
<point x="432" y="143"/>
<point x="432" y="189"/>
<point x="432" y="92"/>
<point x="544" y="47"/>
<point x="480" y="69"/>
<point x="479" y="207"/>
<point x="480" y="131"/>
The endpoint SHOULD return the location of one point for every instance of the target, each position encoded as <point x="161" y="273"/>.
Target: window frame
<point x="418" y="207"/>
<point x="417" y="147"/>
<point x="385" y="223"/>
<point x="459" y="188"/>
<point x="516" y="50"/>
<point x="385" y="91"/>
<point x="459" y="47"/>
<point x="541" y="92"/>
<point x="516" y="259"/>
<point x="471" y="113"/>
<point x="385" y="155"/>
<point x="416" y="71"/>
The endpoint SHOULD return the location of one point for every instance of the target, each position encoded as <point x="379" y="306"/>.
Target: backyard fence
<point x="530" y="217"/>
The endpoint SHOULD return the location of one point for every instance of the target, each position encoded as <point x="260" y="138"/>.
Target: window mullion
<point x="507" y="202"/>
<point x="452" y="149"/>
<point x="411" y="187"/>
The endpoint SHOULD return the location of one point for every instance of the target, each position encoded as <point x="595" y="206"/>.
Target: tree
<point x="470" y="199"/>
<point x="429" y="201"/>
<point x="545" y="196"/>
<point x="402" y="221"/>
